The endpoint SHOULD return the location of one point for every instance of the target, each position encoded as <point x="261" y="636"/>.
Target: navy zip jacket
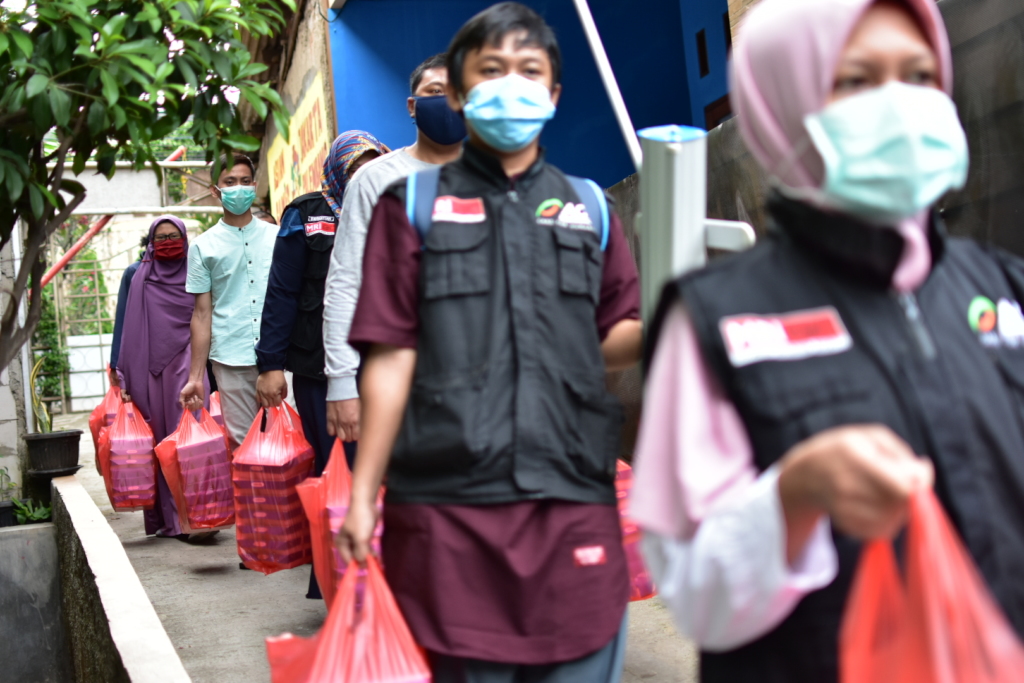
<point x="280" y="307"/>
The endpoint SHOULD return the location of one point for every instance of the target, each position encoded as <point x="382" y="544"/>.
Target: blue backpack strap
<point x="592" y="196"/>
<point x="420" y="193"/>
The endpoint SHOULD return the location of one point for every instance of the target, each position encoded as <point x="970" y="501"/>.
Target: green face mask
<point x="238" y="198"/>
<point x="890" y="152"/>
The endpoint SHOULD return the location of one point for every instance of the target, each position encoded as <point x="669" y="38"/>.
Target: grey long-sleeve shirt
<point x="346" y="272"/>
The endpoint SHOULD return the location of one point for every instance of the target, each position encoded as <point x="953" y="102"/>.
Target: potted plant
<point x="28" y="512"/>
<point x="50" y="454"/>
<point x="8" y="489"/>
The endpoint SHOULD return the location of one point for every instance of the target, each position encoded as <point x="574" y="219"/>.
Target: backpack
<point x="421" y="191"/>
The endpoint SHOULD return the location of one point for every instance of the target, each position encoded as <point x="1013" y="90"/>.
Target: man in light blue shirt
<point x="228" y="267"/>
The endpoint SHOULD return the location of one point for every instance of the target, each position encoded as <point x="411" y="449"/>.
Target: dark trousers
<point x="311" y="400"/>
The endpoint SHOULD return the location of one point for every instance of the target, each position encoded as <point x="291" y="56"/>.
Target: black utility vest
<point x="306" y="346"/>
<point x="508" y="400"/>
<point x="943" y="368"/>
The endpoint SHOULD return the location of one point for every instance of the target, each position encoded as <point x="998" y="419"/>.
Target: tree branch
<point x="13" y="336"/>
<point x="13" y="116"/>
<point x="36" y="238"/>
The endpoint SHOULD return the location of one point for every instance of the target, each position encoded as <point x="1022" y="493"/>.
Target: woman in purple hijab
<point x="155" y="353"/>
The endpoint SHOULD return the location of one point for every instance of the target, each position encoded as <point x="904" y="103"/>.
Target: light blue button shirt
<point x="233" y="264"/>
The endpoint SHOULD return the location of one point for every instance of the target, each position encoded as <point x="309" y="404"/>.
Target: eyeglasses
<point x="164" y="238"/>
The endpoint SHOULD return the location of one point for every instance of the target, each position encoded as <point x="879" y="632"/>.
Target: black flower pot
<point x="54" y="451"/>
<point x="6" y="513"/>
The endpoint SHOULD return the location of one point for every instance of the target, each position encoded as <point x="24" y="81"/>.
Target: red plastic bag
<point x="338" y="493"/>
<point x="943" y="627"/>
<point x="197" y="466"/>
<point x="325" y="500"/>
<point x="311" y="493"/>
<point x="103" y="416"/>
<point x="641" y="585"/>
<point x="364" y="640"/>
<point x="271" y="527"/>
<point x="127" y="461"/>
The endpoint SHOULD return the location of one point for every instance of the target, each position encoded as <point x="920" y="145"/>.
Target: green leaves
<point x="36" y="85"/>
<point x="111" y="90"/>
<point x="22" y="40"/>
<point x="246" y="143"/>
<point x="27" y="512"/>
<point x="110" y="79"/>
<point x="97" y="118"/>
<point x="36" y="199"/>
<point x="60" y="105"/>
<point x="15" y="185"/>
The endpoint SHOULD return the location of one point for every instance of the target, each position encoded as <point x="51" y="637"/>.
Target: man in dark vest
<point x="497" y="292"/>
<point x="291" y="335"/>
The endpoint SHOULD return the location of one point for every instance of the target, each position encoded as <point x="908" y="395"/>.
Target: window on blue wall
<point x="702" y="53"/>
<point x="728" y="31"/>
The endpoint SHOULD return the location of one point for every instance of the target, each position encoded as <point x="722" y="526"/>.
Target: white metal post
<point x="673" y="205"/>
<point x="675" y="233"/>
<point x="611" y="86"/>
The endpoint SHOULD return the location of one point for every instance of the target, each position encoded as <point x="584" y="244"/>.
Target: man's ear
<point x="215" y="191"/>
<point x="556" y="92"/>
<point x="452" y="97"/>
<point x="410" y="104"/>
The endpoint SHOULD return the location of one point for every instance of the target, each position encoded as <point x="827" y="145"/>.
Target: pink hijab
<point x="782" y="70"/>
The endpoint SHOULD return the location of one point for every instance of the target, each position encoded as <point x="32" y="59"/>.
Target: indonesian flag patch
<point x="790" y="336"/>
<point x="454" y="210"/>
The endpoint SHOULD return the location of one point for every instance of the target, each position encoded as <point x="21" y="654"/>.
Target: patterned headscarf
<point x="345" y="149"/>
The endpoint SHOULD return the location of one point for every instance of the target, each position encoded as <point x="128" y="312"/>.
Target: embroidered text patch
<point x="589" y="556"/>
<point x="320" y="228"/>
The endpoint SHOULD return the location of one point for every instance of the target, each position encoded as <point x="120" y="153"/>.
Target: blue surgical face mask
<point x="508" y="113"/>
<point x="437" y="120"/>
<point x="890" y="152"/>
<point x="238" y="198"/>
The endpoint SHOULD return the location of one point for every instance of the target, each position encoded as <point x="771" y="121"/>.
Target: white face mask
<point x="890" y="152"/>
<point x="508" y="113"/>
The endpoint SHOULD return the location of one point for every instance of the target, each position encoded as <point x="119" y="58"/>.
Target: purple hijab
<point x="156" y="320"/>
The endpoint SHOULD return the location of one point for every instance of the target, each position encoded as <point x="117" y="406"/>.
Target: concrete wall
<point x="128" y="187"/>
<point x="115" y="635"/>
<point x="33" y="646"/>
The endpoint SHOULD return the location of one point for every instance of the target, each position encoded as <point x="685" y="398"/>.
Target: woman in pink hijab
<point x="799" y="393"/>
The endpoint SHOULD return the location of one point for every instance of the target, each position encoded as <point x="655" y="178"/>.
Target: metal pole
<point x="75" y="248"/>
<point x="604" y="67"/>
<point x="673" y="206"/>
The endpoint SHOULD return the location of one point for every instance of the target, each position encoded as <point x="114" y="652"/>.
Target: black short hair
<point x="228" y="162"/>
<point x="434" y="62"/>
<point x="490" y="28"/>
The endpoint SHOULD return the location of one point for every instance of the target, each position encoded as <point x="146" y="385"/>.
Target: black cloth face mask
<point x="437" y="121"/>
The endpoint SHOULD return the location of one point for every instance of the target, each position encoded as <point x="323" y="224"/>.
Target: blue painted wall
<point x="375" y="44"/>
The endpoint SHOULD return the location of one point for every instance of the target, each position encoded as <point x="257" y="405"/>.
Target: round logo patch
<point x="981" y="314"/>
<point x="549" y="208"/>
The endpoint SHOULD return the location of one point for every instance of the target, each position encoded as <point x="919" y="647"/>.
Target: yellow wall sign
<point x="295" y="166"/>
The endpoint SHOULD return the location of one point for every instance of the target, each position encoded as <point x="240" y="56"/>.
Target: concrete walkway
<point x="218" y="615"/>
